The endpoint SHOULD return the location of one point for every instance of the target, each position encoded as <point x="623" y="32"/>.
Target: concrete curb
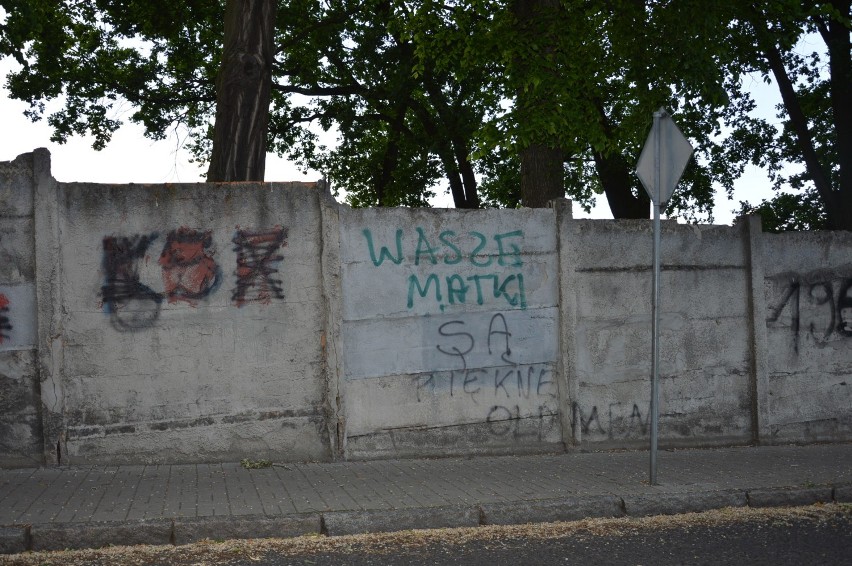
<point x="380" y="521"/>
<point x="61" y="536"/>
<point x="13" y="539"/>
<point x="188" y="530"/>
<point x="676" y="503"/>
<point x="843" y="494"/>
<point x="782" y="497"/>
<point x="550" y="510"/>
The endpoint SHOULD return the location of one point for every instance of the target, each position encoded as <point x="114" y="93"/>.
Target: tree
<point x="400" y="133"/>
<point x="409" y="109"/>
<point x="507" y="102"/>
<point x="542" y="176"/>
<point x="584" y="78"/>
<point x="816" y="117"/>
<point x="161" y="57"/>
<point x="789" y="211"/>
<point x="403" y="124"/>
<point x="594" y="71"/>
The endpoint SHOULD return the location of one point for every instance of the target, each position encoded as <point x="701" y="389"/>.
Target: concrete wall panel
<point x="17" y="317"/>
<point x="192" y="310"/>
<point x="17" y="264"/>
<point x="808" y="293"/>
<point x="705" y="355"/>
<point x="20" y="402"/>
<point x="450" y="330"/>
<point x="16" y="186"/>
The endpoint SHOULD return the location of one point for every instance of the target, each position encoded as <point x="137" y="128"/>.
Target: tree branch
<point x="799" y="122"/>
<point x="320" y="90"/>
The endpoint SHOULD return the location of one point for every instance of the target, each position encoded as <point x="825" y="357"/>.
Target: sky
<point x="132" y="158"/>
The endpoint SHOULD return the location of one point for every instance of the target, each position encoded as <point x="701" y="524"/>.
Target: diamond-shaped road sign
<point x="674" y="153"/>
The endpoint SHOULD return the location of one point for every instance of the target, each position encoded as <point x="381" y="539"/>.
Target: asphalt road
<point x="819" y="534"/>
<point x="798" y="541"/>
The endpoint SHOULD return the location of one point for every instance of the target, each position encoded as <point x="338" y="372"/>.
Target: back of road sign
<point x="675" y="152"/>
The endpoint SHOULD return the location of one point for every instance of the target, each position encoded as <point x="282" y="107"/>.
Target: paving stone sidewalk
<point x="57" y="508"/>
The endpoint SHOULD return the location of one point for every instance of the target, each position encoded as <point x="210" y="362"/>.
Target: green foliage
<point x="789" y="211"/>
<point x="159" y="56"/>
<point x="501" y="179"/>
<point x="586" y="76"/>
<point x="814" y="123"/>
<point x="402" y="127"/>
<point x="428" y="96"/>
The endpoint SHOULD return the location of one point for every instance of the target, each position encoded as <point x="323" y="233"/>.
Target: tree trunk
<point x="542" y="167"/>
<point x="453" y="149"/>
<point x="242" y="92"/>
<point x="614" y="175"/>
<point x="468" y="176"/>
<point x="542" y="176"/>
<point x="804" y="138"/>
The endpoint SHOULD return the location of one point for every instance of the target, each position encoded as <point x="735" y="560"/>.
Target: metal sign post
<point x="655" y="305"/>
<point x="660" y="166"/>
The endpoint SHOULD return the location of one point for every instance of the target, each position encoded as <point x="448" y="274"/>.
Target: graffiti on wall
<point x="815" y="305"/>
<point x="189" y="272"/>
<point x="5" y="323"/>
<point x="503" y="387"/>
<point x="495" y="260"/>
<point x="617" y="420"/>
<point x="130" y="304"/>
<point x="257" y="261"/>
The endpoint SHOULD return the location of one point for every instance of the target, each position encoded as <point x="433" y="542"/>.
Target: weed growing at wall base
<point x="255" y="464"/>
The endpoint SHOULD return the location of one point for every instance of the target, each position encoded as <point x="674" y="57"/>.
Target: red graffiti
<point x="5" y="324"/>
<point x="189" y="270"/>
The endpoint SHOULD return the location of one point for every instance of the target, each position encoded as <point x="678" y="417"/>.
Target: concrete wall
<point x="186" y="323"/>
<point x="20" y="419"/>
